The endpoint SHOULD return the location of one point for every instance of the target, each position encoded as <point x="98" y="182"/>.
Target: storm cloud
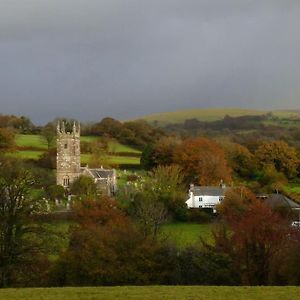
<point x="93" y="58"/>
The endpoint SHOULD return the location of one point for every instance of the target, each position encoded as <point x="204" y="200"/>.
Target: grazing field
<point x="154" y="292"/>
<point x="31" y="141"/>
<point x="28" y="154"/>
<point x="212" y="114"/>
<point x="113" y="159"/>
<point x="184" y="234"/>
<point x="33" y="146"/>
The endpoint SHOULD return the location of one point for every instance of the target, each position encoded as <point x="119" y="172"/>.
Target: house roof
<point x="209" y="191"/>
<point x="276" y="200"/>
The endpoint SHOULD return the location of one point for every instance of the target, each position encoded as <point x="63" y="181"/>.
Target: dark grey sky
<point x="124" y="58"/>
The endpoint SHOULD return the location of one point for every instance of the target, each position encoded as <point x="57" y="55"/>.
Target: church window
<point x="66" y="181"/>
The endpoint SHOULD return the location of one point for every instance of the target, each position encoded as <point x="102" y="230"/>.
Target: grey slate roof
<point x="101" y="173"/>
<point x="276" y="200"/>
<point x="209" y="191"/>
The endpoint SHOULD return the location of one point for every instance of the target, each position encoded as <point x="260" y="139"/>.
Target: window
<point x="200" y="199"/>
<point x="66" y="146"/>
<point x="66" y="181"/>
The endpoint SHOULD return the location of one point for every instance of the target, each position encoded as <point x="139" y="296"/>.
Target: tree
<point x="255" y="237"/>
<point x="48" y="159"/>
<point x="164" y="150"/>
<point x="150" y="213"/>
<point x="281" y="155"/>
<point x="147" y="157"/>
<point x="7" y="141"/>
<point x="203" y="161"/>
<point x="271" y="179"/>
<point x="18" y="247"/>
<point x="84" y="186"/>
<point x="48" y="133"/>
<point x="55" y="192"/>
<point x="240" y="159"/>
<point x="99" y="151"/>
<point x="107" y="249"/>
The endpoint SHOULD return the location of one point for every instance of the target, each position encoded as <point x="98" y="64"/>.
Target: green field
<point x="31" y="141"/>
<point x="293" y="188"/>
<point x="36" y="141"/>
<point x="154" y="292"/>
<point x="184" y="234"/>
<point x="212" y="114"/>
<point x="113" y="159"/>
<point x="33" y="146"/>
<point x="28" y="154"/>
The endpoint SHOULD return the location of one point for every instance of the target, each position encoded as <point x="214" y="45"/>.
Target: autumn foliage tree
<point x="281" y="155"/>
<point x="254" y="239"/>
<point x="240" y="159"/>
<point x="107" y="249"/>
<point x="7" y="142"/>
<point x="203" y="161"/>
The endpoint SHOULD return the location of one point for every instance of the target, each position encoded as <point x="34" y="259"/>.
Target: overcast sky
<point x="125" y="58"/>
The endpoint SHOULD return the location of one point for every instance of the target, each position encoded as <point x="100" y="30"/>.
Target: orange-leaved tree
<point x="256" y="238"/>
<point x="203" y="161"/>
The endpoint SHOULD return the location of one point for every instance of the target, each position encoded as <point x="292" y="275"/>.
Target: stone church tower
<point x="68" y="154"/>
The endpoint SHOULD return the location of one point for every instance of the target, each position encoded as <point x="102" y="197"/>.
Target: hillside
<point x="212" y="114"/>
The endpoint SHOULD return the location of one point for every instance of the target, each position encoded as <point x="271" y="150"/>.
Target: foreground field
<point x="154" y="292"/>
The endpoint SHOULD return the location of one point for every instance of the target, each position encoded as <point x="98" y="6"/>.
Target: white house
<point x="205" y="196"/>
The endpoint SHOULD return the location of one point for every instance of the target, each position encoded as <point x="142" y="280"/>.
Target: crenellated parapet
<point x="61" y="129"/>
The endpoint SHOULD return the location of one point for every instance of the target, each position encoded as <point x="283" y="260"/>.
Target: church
<point x="68" y="165"/>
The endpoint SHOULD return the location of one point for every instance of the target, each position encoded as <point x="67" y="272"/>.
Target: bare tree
<point x="151" y="214"/>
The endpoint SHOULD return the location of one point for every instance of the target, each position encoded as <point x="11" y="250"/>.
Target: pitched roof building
<point x="206" y="196"/>
<point x="68" y="164"/>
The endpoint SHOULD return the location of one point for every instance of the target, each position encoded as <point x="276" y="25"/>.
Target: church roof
<point x="99" y="173"/>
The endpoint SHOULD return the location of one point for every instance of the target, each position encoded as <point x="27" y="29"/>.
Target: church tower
<point x="68" y="154"/>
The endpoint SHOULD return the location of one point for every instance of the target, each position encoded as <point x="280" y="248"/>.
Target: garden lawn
<point x="154" y="292"/>
<point x="184" y="234"/>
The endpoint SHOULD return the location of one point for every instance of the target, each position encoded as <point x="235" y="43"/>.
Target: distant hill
<point x="212" y="114"/>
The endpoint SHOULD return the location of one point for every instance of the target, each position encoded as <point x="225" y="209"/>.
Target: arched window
<point x="66" y="181"/>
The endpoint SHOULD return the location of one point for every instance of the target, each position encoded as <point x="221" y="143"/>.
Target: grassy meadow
<point x="154" y="292"/>
<point x="33" y="146"/>
<point x="186" y="234"/>
<point x="292" y="188"/>
<point x="212" y="114"/>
